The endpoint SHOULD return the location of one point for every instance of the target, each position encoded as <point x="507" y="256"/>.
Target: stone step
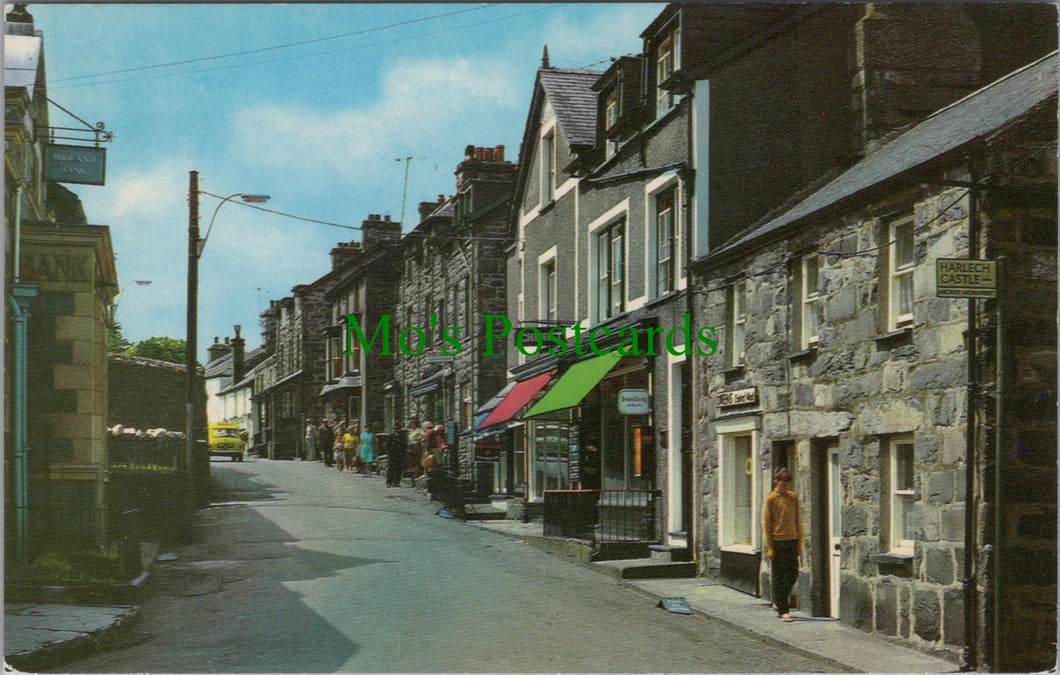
<point x="669" y="553"/>
<point x="644" y="568"/>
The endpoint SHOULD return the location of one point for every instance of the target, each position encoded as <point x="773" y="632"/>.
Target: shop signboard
<point x="75" y="164"/>
<point x="574" y="472"/>
<point x="634" y="402"/>
<point x="488" y="452"/>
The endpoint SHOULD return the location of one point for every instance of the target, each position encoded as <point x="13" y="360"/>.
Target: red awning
<point x="519" y="396"/>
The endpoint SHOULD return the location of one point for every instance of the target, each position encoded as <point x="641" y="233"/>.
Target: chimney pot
<point x="469" y="152"/>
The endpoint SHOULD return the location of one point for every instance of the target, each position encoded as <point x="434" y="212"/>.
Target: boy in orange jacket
<point x="782" y="523"/>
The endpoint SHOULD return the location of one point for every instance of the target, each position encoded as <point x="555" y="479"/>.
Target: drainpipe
<point x="999" y="521"/>
<point x="970" y="463"/>
<point x="21" y="295"/>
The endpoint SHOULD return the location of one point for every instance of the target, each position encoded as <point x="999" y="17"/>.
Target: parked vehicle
<point x="226" y="440"/>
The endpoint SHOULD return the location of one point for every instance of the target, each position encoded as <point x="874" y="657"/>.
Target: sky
<point x="315" y="105"/>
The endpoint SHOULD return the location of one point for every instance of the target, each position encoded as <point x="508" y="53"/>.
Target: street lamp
<point x="195" y="248"/>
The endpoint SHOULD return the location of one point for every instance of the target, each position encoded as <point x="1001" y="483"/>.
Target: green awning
<point x="573" y="385"/>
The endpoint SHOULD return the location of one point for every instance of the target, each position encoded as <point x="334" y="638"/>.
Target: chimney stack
<point x="376" y="230"/>
<point x="217" y="350"/>
<point x="238" y="348"/>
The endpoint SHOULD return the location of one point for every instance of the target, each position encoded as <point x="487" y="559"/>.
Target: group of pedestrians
<point x="419" y="448"/>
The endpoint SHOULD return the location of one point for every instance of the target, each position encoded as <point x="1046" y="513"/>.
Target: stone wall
<point x="863" y="385"/>
<point x="146" y="394"/>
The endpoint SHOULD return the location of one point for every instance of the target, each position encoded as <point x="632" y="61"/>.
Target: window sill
<point x="740" y="548"/>
<point x="893" y="563"/>
<point x="546" y="207"/>
<point x="808" y="354"/>
<point x="900" y="335"/>
<point x="669" y="295"/>
<point x="733" y="370"/>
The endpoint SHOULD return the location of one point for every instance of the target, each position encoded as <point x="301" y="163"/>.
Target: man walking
<point x="325" y="441"/>
<point x="398" y="454"/>
<point x="783" y="531"/>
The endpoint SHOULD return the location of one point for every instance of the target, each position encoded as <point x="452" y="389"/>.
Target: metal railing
<point x="601" y="515"/>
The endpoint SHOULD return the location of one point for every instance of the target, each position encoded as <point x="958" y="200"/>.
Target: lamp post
<point x="195" y="249"/>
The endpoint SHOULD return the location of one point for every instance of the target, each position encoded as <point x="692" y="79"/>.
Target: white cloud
<point x="421" y="103"/>
<point x="610" y="32"/>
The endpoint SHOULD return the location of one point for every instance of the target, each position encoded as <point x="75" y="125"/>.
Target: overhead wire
<point x="287" y="58"/>
<point x="269" y="48"/>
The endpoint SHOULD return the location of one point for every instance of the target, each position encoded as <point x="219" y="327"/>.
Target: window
<point x="334" y="358"/>
<point x="666" y="65"/>
<point x="809" y="297"/>
<point x="900" y="495"/>
<point x="611" y="112"/>
<point x="469" y="308"/>
<point x="737" y="493"/>
<point x="900" y="268"/>
<point x="737" y="324"/>
<point x="610" y="271"/>
<point x="465" y="406"/>
<point x="665" y="242"/>
<point x="548" y="167"/>
<point x="548" y="291"/>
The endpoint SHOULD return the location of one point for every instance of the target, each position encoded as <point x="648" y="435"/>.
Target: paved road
<point x="297" y="568"/>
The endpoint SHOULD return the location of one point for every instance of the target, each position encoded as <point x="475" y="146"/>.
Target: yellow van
<point x="226" y="440"/>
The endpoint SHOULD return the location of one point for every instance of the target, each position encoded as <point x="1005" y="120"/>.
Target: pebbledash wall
<point x="865" y="385"/>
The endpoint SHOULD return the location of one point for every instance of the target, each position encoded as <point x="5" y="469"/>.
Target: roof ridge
<point x="990" y="85"/>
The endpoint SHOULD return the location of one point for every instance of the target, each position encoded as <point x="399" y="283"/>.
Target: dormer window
<point x="667" y="62"/>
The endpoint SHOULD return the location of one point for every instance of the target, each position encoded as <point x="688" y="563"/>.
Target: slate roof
<point x="572" y="98"/>
<point x="959" y="123"/>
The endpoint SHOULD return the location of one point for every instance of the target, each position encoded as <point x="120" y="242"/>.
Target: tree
<point x="160" y="348"/>
<point x="116" y="342"/>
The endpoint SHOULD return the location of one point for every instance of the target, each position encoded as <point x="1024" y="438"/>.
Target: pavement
<point x="847" y="648"/>
<point x="41" y="635"/>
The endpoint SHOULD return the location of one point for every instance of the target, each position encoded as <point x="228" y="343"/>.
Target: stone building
<point x="288" y="380"/>
<point x="229" y="386"/>
<point x="920" y="425"/>
<point x="453" y="277"/>
<point x="358" y="378"/>
<point x="60" y="284"/>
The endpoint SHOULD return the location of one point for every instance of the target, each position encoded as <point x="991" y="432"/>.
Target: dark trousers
<point x="394" y="468"/>
<point x="785" y="572"/>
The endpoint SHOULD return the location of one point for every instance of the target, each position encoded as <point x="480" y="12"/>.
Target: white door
<point x="835" y="529"/>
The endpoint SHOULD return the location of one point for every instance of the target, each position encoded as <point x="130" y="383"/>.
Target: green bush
<point x="76" y="567"/>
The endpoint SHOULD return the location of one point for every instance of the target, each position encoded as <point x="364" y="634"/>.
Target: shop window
<point x="737" y="490"/>
<point x="899" y="495"/>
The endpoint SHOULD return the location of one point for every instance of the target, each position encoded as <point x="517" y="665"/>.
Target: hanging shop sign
<point x="634" y="402"/>
<point x="488" y="452"/>
<point x="964" y="278"/>
<point x="75" y="164"/>
<point x="574" y="473"/>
